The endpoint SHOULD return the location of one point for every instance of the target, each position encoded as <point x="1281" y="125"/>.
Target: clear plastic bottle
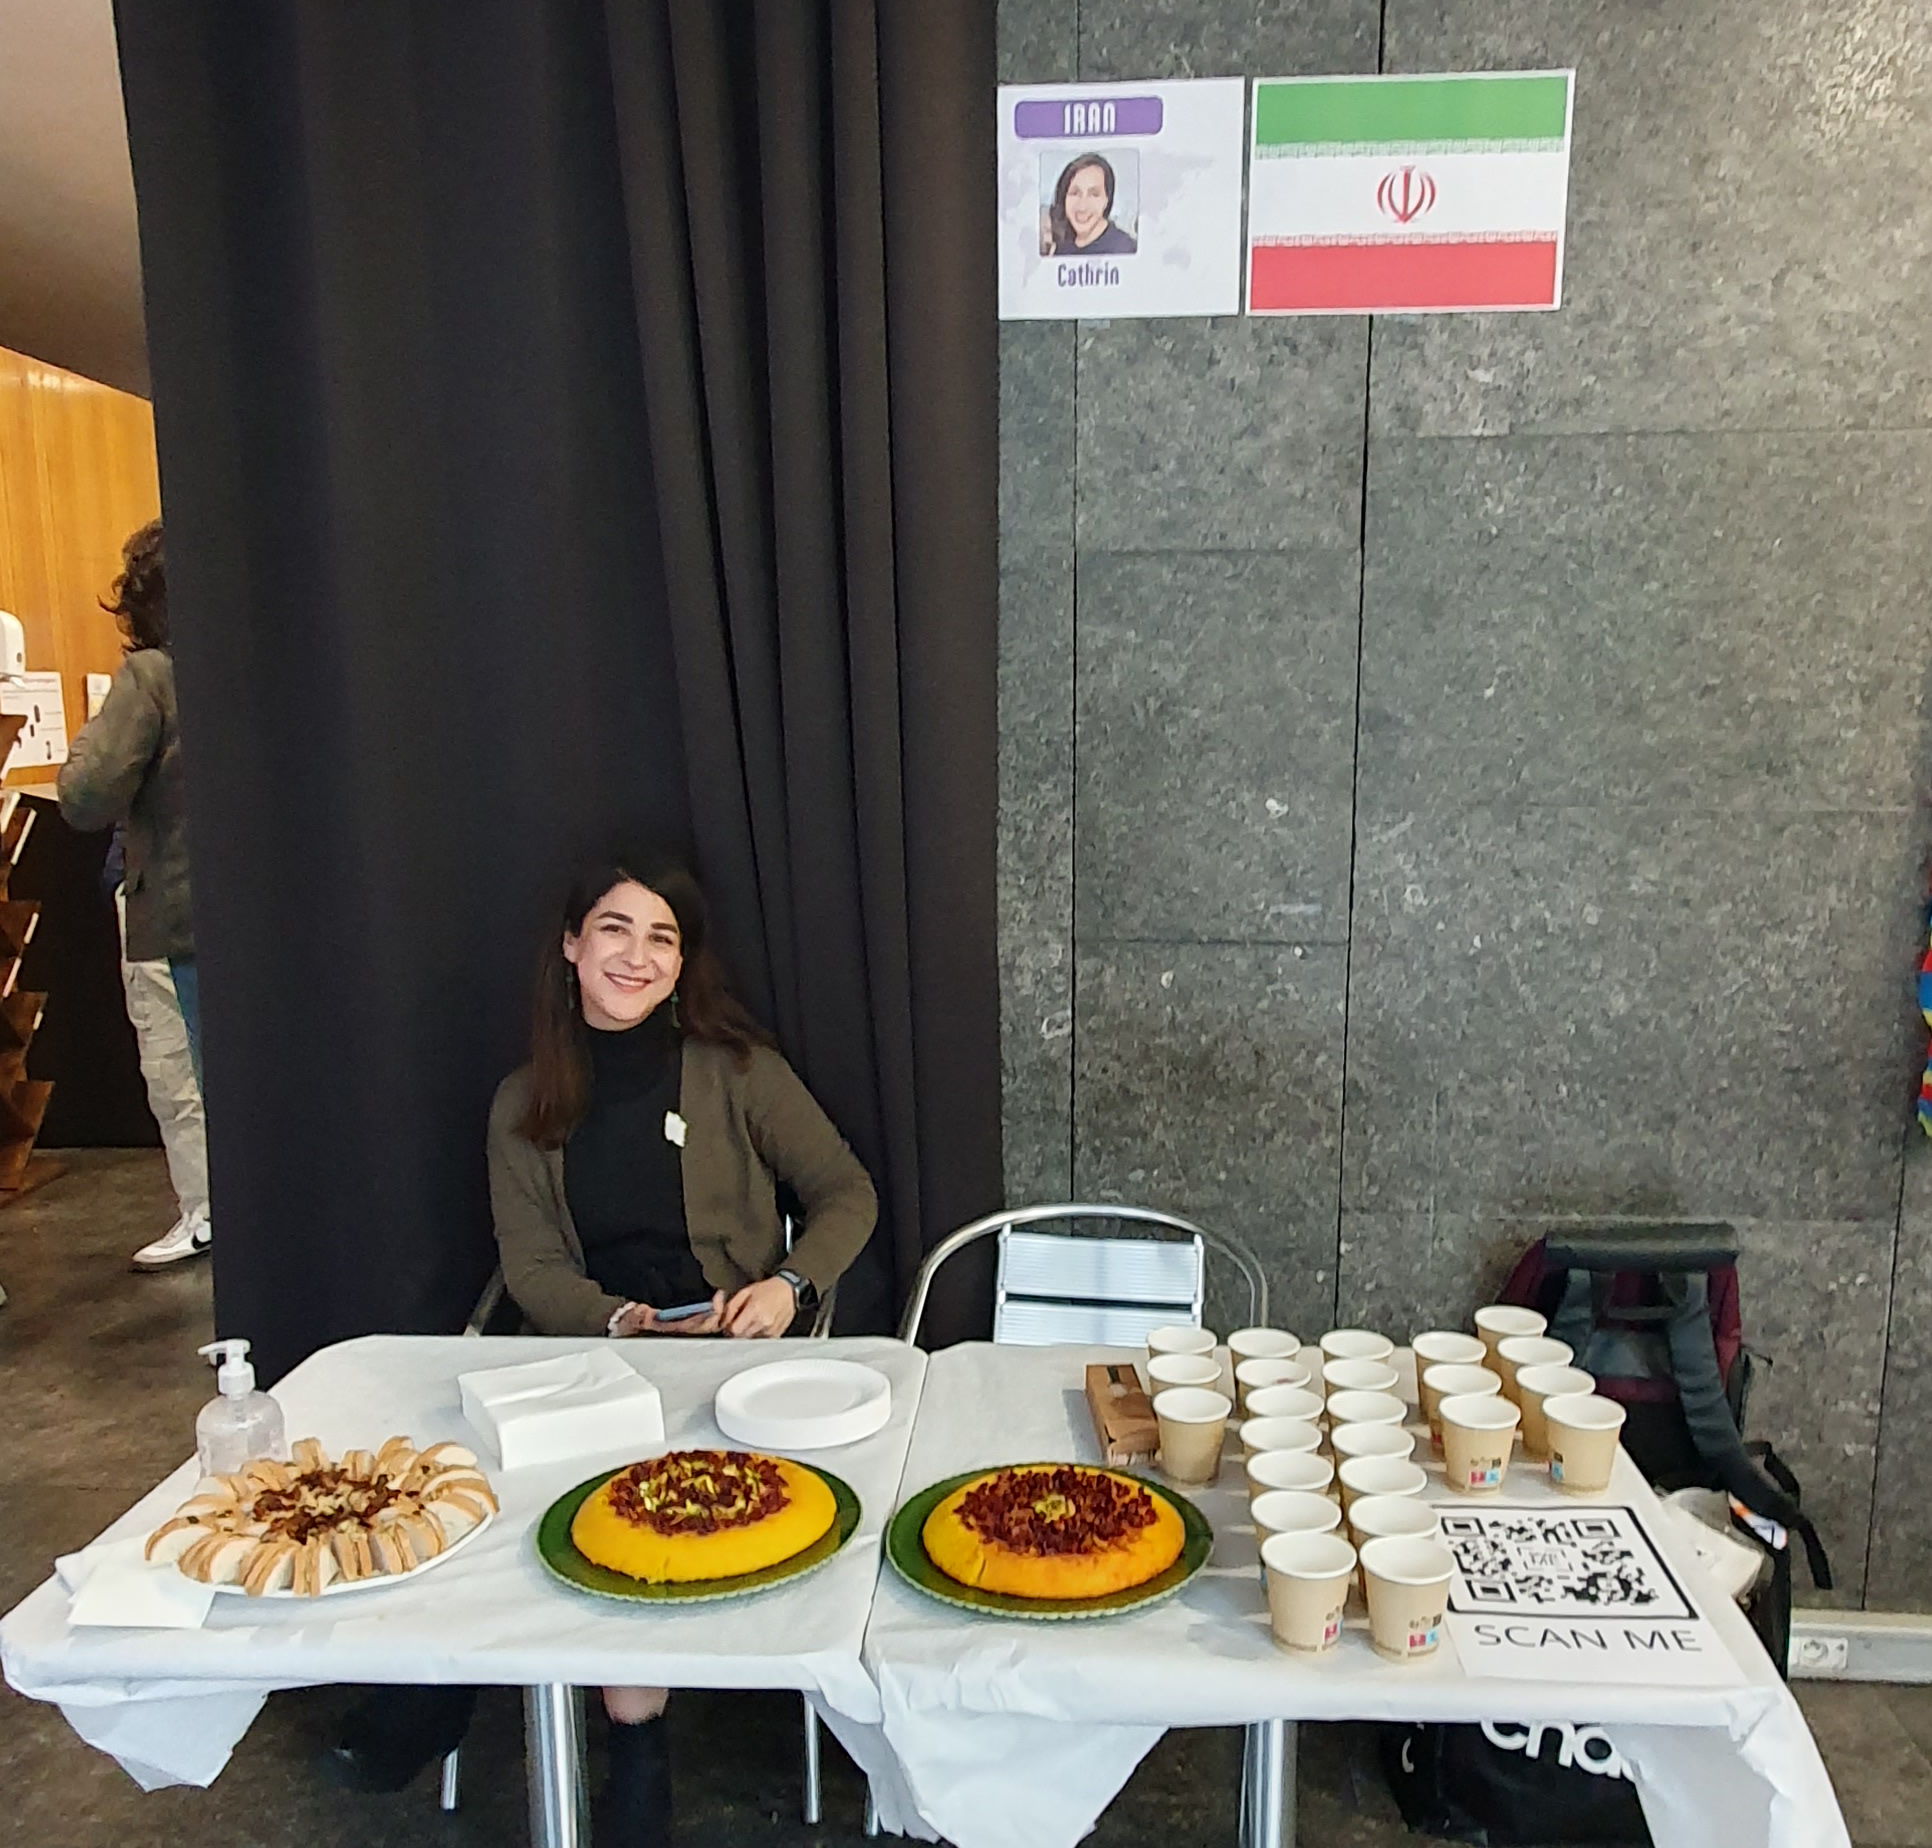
<point x="239" y="1423"/>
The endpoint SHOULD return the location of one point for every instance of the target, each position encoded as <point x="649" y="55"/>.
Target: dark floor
<point x="101" y="1385"/>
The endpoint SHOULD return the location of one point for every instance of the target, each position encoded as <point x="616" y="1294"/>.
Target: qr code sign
<point x="1539" y="1562"/>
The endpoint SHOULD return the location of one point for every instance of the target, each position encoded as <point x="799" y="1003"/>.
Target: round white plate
<point x="380" y="1581"/>
<point x="803" y="1404"/>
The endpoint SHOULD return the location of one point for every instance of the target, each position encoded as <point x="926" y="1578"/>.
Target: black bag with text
<point x="1505" y="1782"/>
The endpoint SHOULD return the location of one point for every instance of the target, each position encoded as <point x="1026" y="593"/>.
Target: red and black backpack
<point x="1653" y="1313"/>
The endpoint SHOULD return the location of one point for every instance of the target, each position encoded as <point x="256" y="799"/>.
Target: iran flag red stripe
<point x="1396" y="277"/>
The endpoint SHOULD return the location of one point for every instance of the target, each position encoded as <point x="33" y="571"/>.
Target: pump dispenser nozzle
<point x="234" y="1375"/>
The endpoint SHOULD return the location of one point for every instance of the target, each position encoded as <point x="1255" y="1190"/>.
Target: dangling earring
<point x="674" y="1007"/>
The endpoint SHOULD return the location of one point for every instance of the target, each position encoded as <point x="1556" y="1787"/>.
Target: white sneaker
<point x="188" y="1237"/>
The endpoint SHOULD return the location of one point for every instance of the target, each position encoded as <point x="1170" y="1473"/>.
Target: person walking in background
<point x="124" y="767"/>
<point x="161" y="1036"/>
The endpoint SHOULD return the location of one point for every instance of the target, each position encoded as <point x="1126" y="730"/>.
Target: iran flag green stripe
<point x="1297" y="117"/>
<point x="1395" y="195"/>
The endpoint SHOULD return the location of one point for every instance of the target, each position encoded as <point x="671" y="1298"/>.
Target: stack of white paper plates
<point x="803" y="1404"/>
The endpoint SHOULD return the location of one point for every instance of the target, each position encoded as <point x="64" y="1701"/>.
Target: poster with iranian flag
<point x="1408" y="195"/>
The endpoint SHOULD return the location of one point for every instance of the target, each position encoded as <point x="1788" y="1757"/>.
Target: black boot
<point x="391" y="1734"/>
<point x="635" y="1808"/>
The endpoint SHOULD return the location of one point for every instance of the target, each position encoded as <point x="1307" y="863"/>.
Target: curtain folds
<point x="790" y="388"/>
<point x="574" y="423"/>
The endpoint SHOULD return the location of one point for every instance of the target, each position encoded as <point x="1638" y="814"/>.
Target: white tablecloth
<point x="1003" y="1734"/>
<point x="171" y="1704"/>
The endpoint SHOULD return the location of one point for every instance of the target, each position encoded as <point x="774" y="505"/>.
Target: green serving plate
<point x="560" y="1556"/>
<point x="906" y="1548"/>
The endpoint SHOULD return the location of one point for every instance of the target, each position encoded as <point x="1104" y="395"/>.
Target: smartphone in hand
<point x="684" y="1311"/>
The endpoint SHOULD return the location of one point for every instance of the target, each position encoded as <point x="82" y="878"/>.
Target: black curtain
<point x="573" y="427"/>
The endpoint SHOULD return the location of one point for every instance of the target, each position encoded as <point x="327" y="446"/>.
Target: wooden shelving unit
<point x="23" y="1100"/>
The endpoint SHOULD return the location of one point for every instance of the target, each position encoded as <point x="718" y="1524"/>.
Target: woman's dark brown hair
<point x="141" y="591"/>
<point x="705" y="1008"/>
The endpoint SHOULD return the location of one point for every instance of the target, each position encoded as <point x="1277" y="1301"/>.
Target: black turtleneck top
<point x="623" y="1176"/>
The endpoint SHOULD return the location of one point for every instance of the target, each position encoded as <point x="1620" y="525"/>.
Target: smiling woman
<point x="1081" y="219"/>
<point x="635" y="1161"/>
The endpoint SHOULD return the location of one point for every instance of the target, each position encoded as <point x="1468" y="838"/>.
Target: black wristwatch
<point x="804" y="1290"/>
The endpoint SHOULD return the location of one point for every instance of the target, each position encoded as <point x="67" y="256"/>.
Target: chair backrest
<point x="1057" y="1286"/>
<point x="1053" y="1287"/>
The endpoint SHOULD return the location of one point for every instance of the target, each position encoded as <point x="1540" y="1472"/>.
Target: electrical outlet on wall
<point x="1820" y="1655"/>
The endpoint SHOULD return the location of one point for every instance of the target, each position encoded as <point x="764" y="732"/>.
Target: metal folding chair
<point x="1087" y="1287"/>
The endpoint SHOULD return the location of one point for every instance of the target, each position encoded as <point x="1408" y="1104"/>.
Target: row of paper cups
<point x="1512" y="1379"/>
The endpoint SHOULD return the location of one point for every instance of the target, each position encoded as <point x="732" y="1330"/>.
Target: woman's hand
<point x="761" y="1309"/>
<point x="641" y="1319"/>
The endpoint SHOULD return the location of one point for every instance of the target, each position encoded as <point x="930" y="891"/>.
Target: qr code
<point x="1535" y="1562"/>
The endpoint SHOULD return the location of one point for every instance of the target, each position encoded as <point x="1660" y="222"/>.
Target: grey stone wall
<point x="1464" y="772"/>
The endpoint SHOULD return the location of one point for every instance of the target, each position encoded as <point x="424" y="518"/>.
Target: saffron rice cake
<point x="703" y="1514"/>
<point x="1053" y="1531"/>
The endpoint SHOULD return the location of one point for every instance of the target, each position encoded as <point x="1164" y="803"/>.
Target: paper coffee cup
<point x="1362" y="1440"/>
<point x="1521" y="1351"/>
<point x="1288" y="1469"/>
<point x="1253" y="1375"/>
<point x="1379" y="1476"/>
<point x="1179" y="1338"/>
<point x="1408" y="1592"/>
<point x="1183" y="1370"/>
<point x="1500" y="1321"/>
<point x="1536" y="1384"/>
<point x="1365" y="1408"/>
<point x="1437" y="1383"/>
<point x="1263" y="1344"/>
<point x="1294" y="1511"/>
<point x="1308" y="1577"/>
<point x="1584" y="1433"/>
<point x="1358" y="1376"/>
<point x="1355" y="1344"/>
<point x="1478" y="1433"/>
<point x="1443" y="1347"/>
<point x="1258" y="1434"/>
<point x="1389" y="1517"/>
<point x="1400" y="1517"/>
<point x="1193" y="1420"/>
<point x="1284" y="1402"/>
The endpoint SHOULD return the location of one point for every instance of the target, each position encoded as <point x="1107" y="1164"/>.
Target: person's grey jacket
<point x="125" y="765"/>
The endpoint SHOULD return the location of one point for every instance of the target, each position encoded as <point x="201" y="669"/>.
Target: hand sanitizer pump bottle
<point x="239" y="1423"/>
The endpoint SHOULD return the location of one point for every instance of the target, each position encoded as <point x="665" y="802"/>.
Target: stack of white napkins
<point x="549" y="1411"/>
<point x="112" y="1582"/>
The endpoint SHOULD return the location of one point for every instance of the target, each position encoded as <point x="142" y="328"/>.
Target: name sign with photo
<point x="1120" y="199"/>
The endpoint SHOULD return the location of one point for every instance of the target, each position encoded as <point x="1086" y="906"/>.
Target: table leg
<point x="553" y="1735"/>
<point x="1244" y="1827"/>
<point x="814" y="1794"/>
<point x="1268" y="1785"/>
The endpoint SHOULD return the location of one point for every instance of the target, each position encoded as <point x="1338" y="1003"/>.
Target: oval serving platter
<point x="378" y="1581"/>
<point x="906" y="1548"/>
<point x="563" y="1561"/>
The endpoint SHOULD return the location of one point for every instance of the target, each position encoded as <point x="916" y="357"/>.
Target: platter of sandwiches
<point x="315" y="1525"/>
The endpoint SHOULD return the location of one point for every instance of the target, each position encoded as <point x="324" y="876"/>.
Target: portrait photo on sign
<point x="1090" y="203"/>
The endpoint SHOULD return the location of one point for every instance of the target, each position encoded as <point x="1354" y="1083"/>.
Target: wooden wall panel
<point x="77" y="475"/>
